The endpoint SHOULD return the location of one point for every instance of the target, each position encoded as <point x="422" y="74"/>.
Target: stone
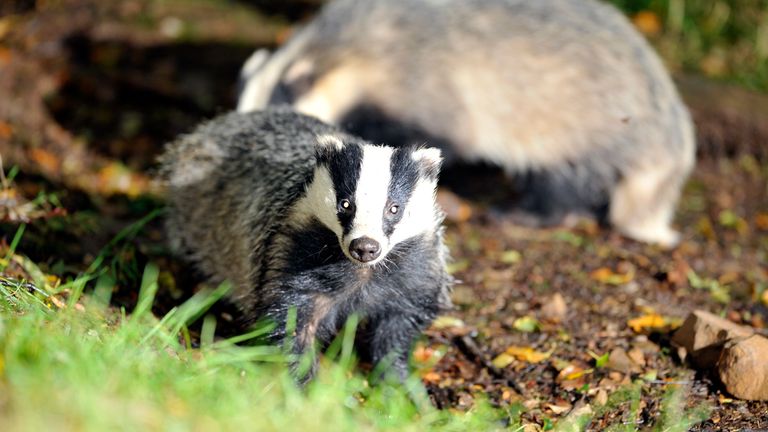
<point x="743" y="368"/>
<point x="555" y="309"/>
<point x="703" y="335"/>
<point x="619" y="361"/>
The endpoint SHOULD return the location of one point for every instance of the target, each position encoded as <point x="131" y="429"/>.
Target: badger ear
<point x="429" y="159"/>
<point x="326" y="145"/>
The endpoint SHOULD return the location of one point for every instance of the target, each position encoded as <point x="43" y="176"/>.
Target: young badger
<point x="563" y="94"/>
<point x="298" y="215"/>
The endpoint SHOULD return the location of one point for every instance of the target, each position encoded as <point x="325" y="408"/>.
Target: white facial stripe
<point x="420" y="213"/>
<point x="371" y="195"/>
<point x="320" y="201"/>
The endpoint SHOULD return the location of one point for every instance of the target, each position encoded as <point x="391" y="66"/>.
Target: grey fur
<point x="564" y="89"/>
<point x="232" y="187"/>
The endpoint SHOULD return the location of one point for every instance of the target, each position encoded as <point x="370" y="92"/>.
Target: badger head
<point x="373" y="197"/>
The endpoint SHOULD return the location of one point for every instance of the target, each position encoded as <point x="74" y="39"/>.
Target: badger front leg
<point x="390" y="344"/>
<point x="295" y="332"/>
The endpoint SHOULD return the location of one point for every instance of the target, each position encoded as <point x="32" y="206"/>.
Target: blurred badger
<point x="298" y="215"/>
<point x="565" y="95"/>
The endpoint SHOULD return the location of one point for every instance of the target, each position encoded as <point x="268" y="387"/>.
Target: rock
<point x="618" y="360"/>
<point x="743" y="368"/>
<point x="555" y="309"/>
<point x="703" y="335"/>
<point x="637" y="356"/>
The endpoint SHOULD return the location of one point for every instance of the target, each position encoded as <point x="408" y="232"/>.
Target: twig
<point x="469" y="348"/>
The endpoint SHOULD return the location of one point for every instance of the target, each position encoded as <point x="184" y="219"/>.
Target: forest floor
<point x="547" y="321"/>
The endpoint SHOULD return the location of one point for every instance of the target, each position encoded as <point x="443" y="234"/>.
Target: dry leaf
<point x="431" y="377"/>
<point x="525" y="354"/>
<point x="608" y="276"/>
<point x="647" y="22"/>
<point x="422" y="354"/>
<point x="647" y="322"/>
<point x="559" y="409"/>
<point x="446" y="321"/>
<point x="761" y="221"/>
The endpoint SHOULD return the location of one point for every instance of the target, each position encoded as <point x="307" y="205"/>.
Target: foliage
<point x="725" y="39"/>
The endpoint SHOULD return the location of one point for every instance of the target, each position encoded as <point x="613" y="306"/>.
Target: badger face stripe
<point x="405" y="175"/>
<point x="370" y="201"/>
<point x="372" y="197"/>
<point x="344" y="166"/>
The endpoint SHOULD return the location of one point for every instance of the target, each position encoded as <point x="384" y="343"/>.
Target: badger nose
<point x="364" y="249"/>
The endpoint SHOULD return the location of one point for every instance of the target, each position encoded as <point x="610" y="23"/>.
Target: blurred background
<point x="90" y="90"/>
<point x="86" y="83"/>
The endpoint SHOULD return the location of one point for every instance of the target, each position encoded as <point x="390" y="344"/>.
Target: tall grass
<point x="94" y="368"/>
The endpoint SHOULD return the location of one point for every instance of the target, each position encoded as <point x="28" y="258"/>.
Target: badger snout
<point x="364" y="249"/>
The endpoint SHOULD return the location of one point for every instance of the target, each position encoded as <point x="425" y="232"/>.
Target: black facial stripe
<point x="405" y="175"/>
<point x="344" y="166"/>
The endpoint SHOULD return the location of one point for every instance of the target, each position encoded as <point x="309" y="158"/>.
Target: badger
<point x="300" y="216"/>
<point x="564" y="95"/>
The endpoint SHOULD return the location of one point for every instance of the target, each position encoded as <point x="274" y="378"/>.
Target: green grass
<point x="89" y="367"/>
<point x="722" y="39"/>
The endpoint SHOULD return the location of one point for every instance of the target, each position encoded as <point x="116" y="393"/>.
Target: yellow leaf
<point x="764" y="297"/>
<point x="525" y="354"/>
<point x="502" y="360"/>
<point x="608" y="276"/>
<point x="511" y="257"/>
<point x="647" y="322"/>
<point x="445" y="321"/>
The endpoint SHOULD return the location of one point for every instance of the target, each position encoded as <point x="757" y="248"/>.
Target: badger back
<point x="519" y="83"/>
<point x="231" y="183"/>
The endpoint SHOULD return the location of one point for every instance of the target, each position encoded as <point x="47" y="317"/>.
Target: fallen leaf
<point x="526" y="324"/>
<point x="729" y="219"/>
<point x="761" y="221"/>
<point x="6" y="131"/>
<point x="422" y="354"/>
<point x="764" y="297"/>
<point x="608" y="276"/>
<point x="511" y="257"/>
<point x="646" y="322"/>
<point x="525" y="354"/>
<point x="600" y="360"/>
<point x="647" y="22"/>
<point x="458" y="266"/>
<point x="47" y="160"/>
<point x="559" y="409"/>
<point x="572" y="372"/>
<point x="705" y="228"/>
<point x="431" y="377"/>
<point x="446" y="321"/>
<point x="724" y="399"/>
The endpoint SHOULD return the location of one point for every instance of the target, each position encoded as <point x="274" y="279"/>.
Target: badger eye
<point x="345" y="206"/>
<point x="394" y="209"/>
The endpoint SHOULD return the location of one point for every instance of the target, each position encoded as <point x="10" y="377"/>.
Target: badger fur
<point x="565" y="95"/>
<point x="298" y="215"/>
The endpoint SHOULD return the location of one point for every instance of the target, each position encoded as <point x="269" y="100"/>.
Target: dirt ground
<point x="91" y="90"/>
